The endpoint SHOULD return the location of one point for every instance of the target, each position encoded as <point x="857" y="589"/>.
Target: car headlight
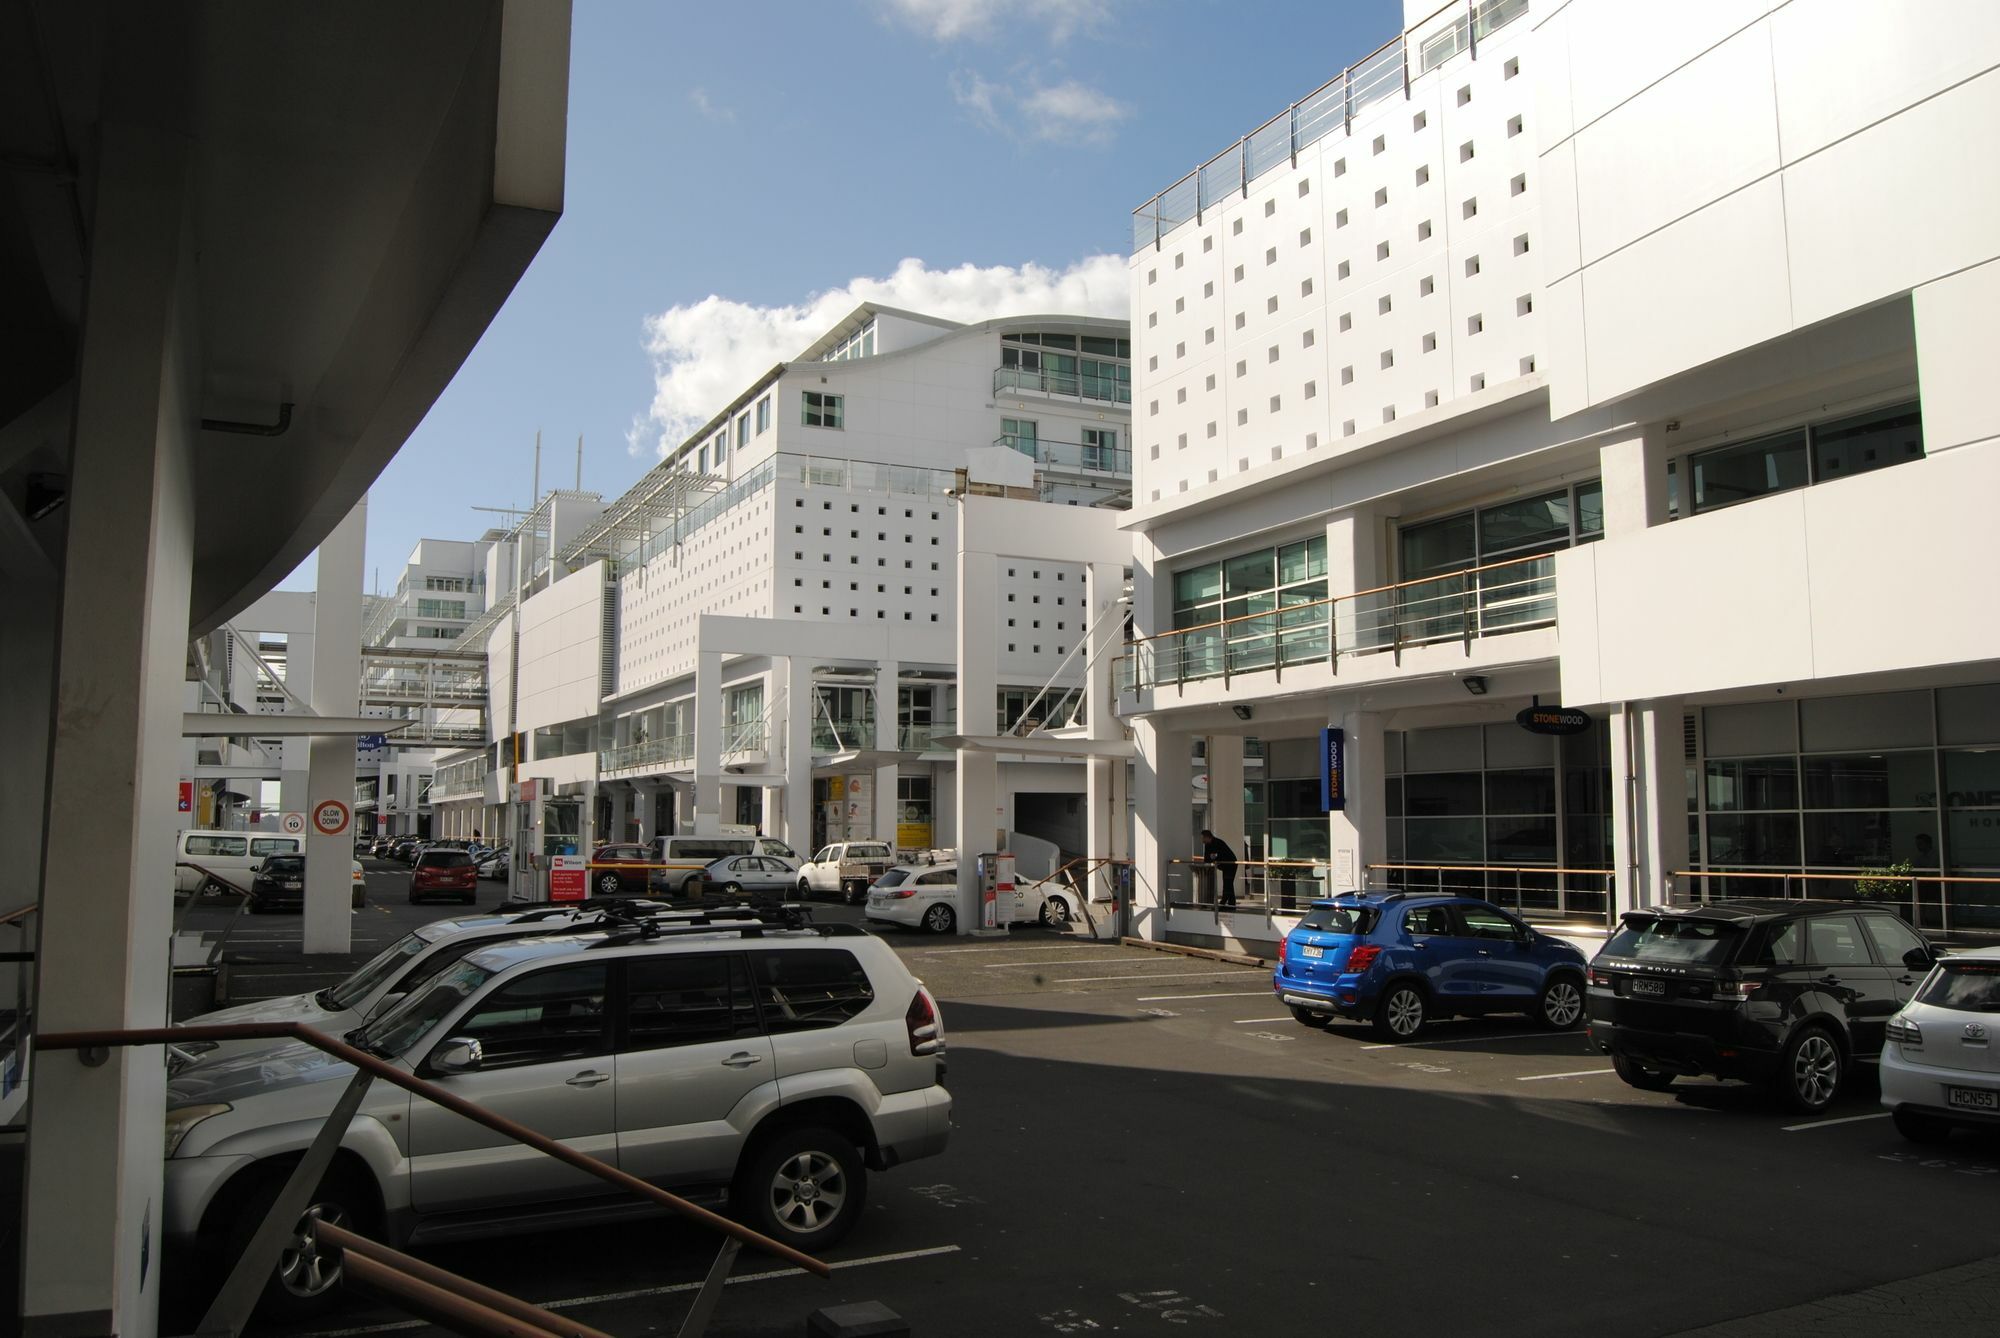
<point x="183" y="1118"/>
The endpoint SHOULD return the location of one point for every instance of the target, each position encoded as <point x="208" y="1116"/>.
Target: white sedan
<point x="1939" y="1070"/>
<point x="766" y="875"/>
<point x="925" y="896"/>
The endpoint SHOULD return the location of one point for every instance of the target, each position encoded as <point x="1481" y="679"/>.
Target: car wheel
<point x="1400" y="1014"/>
<point x="1637" y="1075"/>
<point x="211" y="888"/>
<point x="1561" y="1006"/>
<point x="732" y="889"/>
<point x="1921" y="1128"/>
<point x="940" y="919"/>
<point x="307" y="1279"/>
<point x="1055" y="912"/>
<point x="805" y="890"/>
<point x="804" y="1187"/>
<point x="607" y="886"/>
<point x="1810" y="1077"/>
<point x="1307" y="1018"/>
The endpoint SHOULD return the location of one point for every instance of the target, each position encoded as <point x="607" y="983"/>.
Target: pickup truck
<point x="845" y="869"/>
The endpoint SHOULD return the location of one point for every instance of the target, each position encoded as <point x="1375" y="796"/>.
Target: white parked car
<point x="925" y="896"/>
<point x="766" y="875"/>
<point x="845" y="869"/>
<point x="1939" y="1066"/>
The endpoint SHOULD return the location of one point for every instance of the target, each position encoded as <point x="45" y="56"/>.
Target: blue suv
<point x="1397" y="959"/>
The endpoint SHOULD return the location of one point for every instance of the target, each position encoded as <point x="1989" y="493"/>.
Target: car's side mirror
<point x="1919" y="959"/>
<point x="458" y="1055"/>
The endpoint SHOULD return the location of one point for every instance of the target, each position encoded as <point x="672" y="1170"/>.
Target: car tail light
<point x="1282" y="944"/>
<point x="1906" y="1033"/>
<point x="1736" y="991"/>
<point x="898" y="893"/>
<point x="1363" y="957"/>
<point x="922" y="1022"/>
<point x="1597" y="977"/>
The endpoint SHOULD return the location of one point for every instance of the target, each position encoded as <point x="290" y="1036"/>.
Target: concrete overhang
<point x="370" y="180"/>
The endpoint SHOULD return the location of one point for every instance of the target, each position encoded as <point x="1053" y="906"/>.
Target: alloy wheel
<point x="1562" y="1004"/>
<point x="1815" y="1070"/>
<point x="304" y="1269"/>
<point x="808" y="1190"/>
<point x="1405" y="1011"/>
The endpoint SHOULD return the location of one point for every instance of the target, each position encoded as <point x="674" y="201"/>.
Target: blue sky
<point x="737" y="172"/>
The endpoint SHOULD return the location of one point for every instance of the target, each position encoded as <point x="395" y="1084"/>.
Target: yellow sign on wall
<point x="913" y="836"/>
<point x="836" y="787"/>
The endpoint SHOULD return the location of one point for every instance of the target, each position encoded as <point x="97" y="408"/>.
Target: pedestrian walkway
<point x="1952" y="1300"/>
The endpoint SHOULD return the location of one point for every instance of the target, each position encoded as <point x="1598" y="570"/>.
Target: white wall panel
<point x="1617" y="49"/>
<point x="1672" y="148"/>
<point x="1713" y="283"/>
<point x="1844" y="64"/>
<point x="1954" y="319"/>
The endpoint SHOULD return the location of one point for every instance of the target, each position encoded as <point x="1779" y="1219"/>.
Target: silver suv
<point x="773" y="1067"/>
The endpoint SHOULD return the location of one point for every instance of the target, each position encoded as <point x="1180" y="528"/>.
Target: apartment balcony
<point x="674" y="752"/>
<point x="1068" y="457"/>
<point x="1368" y="633"/>
<point x="1024" y="381"/>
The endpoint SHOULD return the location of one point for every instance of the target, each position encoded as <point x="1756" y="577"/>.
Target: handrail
<point x="89" y="1040"/>
<point x="20" y="913"/>
<point x="1491" y="868"/>
<point x="1835" y="872"/>
<point x="462" y="1299"/>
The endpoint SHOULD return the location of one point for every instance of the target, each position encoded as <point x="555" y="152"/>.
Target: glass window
<point x="763" y="415"/>
<point x="1753" y="839"/>
<point x="1783" y="945"/>
<point x="1867" y="442"/>
<point x="810" y="988"/>
<point x="1430" y="922"/>
<point x="217" y="845"/>
<point x="1200" y="585"/>
<point x="1971" y="986"/>
<point x="1835" y="940"/>
<point x="1444" y="840"/>
<point x="1439" y="546"/>
<point x="1341" y="919"/>
<point x="1485" y="922"/>
<point x="274" y="845"/>
<point x="1870" y="780"/>
<point x="1521" y="840"/>
<point x="351" y="991"/>
<point x="1534" y="523"/>
<point x="1527" y="791"/>
<point x="1893" y="939"/>
<point x="821" y="410"/>
<point x="1745" y="470"/>
<point x="687" y="1000"/>
<point x="1251" y="573"/>
<point x="1852" y="840"/>
<point x="402" y="1026"/>
<point x="1589" y="511"/>
<point x="541" y="1018"/>
<point x="1674" y="939"/>
<point x="1757" y="783"/>
<point x="1442" y="794"/>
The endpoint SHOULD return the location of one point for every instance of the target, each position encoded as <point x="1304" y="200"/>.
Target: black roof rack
<point x="653" y="930"/>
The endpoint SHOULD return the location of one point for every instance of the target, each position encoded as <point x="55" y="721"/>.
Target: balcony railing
<point x="674" y="750"/>
<point x="1070" y="455"/>
<point x="840" y="736"/>
<point x="1461" y="606"/>
<point x="1382" y="73"/>
<point x="1070" y="385"/>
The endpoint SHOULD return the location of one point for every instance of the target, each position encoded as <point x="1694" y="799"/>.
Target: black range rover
<point x="1788" y="993"/>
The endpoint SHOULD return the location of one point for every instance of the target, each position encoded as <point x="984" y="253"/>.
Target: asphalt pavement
<point x="1146" y="1143"/>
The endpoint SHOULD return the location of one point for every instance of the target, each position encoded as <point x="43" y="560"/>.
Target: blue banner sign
<point x="1332" y="770"/>
<point x="368" y="743"/>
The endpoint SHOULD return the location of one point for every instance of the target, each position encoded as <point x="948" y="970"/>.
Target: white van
<point x="682" y="860"/>
<point x="229" y="856"/>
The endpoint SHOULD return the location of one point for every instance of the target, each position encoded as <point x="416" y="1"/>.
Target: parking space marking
<point x="667" y="1290"/>
<point x="1456" y="1040"/>
<point x="1579" y="1073"/>
<point x="1156" y="975"/>
<point x="1062" y="961"/>
<point x="1827" y="1124"/>
<point x="1246" y="1021"/>
<point x="1247" y="994"/>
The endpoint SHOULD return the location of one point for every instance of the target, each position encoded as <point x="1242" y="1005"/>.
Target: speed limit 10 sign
<point x="293" y="824"/>
<point x="329" y="817"/>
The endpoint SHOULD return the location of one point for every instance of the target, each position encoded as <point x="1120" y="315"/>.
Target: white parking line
<point x="1246" y="994"/>
<point x="1156" y="975"/>
<point x="932" y="952"/>
<point x="1826" y="1124"/>
<point x="1062" y="961"/>
<point x="1246" y="1021"/>
<point x="1580" y="1073"/>
<point x="1454" y="1040"/>
<point x="667" y="1290"/>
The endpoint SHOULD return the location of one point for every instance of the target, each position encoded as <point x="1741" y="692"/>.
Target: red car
<point x="444" y="873"/>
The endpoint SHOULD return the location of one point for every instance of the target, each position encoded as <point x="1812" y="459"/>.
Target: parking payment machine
<point x="997" y="896"/>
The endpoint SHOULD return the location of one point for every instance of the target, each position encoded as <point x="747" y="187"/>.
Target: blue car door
<point x="1504" y="963"/>
<point x="1442" y="952"/>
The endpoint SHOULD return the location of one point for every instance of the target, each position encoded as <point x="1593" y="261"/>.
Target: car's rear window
<point x="446" y="859"/>
<point x="1341" y="919"/>
<point x="892" y="878"/>
<point x="1972" y="987"/>
<point x="1674" y="939"/>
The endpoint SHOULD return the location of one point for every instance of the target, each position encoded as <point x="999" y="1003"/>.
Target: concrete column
<point x="90" y="1251"/>
<point x="976" y="780"/>
<point x="621" y="813"/>
<point x="1354" y="562"/>
<point x="1225" y="789"/>
<point x="644" y="800"/>
<point x="1106" y="779"/>
<point x="1359" y="833"/>
<point x="708" y="728"/>
<point x="336" y="691"/>
<point x="1163" y="822"/>
<point x="1648" y="798"/>
<point x="798" y="827"/>
<point x="887" y="673"/>
<point x="1635" y="480"/>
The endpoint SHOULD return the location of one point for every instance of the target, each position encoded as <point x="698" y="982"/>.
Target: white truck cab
<point x="845" y="869"/>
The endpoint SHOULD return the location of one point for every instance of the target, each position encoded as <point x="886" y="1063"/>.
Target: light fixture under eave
<point x="1476" y="684"/>
<point x="1242" y="711"/>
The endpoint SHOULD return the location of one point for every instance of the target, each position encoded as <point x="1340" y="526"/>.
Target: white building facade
<point x="1582" y="354"/>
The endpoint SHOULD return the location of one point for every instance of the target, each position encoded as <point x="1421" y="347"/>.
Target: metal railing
<point x="654" y="754"/>
<point x="843" y="735"/>
<point x="1943" y="903"/>
<point x="232" y="1306"/>
<point x="18" y="1027"/>
<point x="1382" y="73"/>
<point x="1069" y="454"/>
<point x="1534" y="891"/>
<point x="1068" y="385"/>
<point x="1510" y="596"/>
<point x="1263" y="886"/>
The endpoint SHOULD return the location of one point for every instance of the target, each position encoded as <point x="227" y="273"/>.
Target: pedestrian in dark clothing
<point x="1215" y="852"/>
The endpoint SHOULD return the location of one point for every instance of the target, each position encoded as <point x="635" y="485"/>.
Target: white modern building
<point x="761" y="633"/>
<point x="1573" y="352"/>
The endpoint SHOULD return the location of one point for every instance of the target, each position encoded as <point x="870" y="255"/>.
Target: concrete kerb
<point x="1187" y="950"/>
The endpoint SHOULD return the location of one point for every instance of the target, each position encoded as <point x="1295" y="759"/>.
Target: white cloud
<point x="706" y="353"/>
<point x="1064" y="113"/>
<point x="708" y="107"/>
<point x="949" y="20"/>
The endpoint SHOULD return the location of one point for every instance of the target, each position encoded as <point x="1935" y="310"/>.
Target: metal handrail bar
<point x="463" y="1291"/>
<point x="20" y="913"/>
<point x="1834" y="871"/>
<point x="1490" y="868"/>
<point x="439" y="1304"/>
<point x="1335" y="599"/>
<point x="194" y="899"/>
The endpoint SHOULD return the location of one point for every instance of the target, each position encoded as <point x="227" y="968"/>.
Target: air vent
<point x="1688" y="736"/>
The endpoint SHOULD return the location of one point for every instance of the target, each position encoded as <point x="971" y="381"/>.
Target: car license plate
<point x="1308" y="950"/>
<point x="1971" y="1098"/>
<point x="1651" y="988"/>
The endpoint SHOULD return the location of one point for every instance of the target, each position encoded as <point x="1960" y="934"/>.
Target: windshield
<point x="351" y="991"/>
<point x="1673" y="939"/>
<point x="1341" y="919"/>
<point x="408" y="1022"/>
<point x="1972" y="987"/>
